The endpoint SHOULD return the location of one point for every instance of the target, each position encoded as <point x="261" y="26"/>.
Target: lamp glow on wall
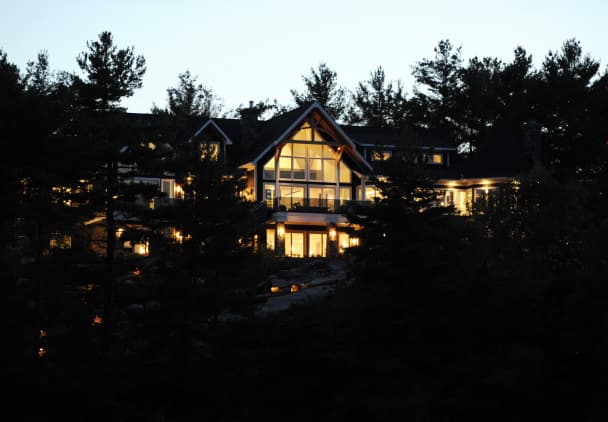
<point x="332" y="234"/>
<point x="281" y="230"/>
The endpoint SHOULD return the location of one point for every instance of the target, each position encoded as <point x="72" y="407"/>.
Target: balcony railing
<point x="323" y="205"/>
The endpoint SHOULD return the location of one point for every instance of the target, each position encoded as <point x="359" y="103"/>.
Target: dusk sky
<point x="257" y="50"/>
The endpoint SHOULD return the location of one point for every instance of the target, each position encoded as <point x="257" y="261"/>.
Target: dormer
<point x="212" y="141"/>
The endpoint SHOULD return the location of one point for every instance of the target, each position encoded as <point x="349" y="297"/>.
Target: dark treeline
<point x="498" y="316"/>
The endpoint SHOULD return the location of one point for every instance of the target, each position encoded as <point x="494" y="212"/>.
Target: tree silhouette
<point x="379" y="103"/>
<point x="437" y="101"/>
<point x="191" y="99"/>
<point x="110" y="74"/>
<point x="322" y="86"/>
<point x="568" y="110"/>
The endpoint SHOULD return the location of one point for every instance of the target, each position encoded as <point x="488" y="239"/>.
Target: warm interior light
<point x="275" y="289"/>
<point x="179" y="192"/>
<point x="119" y="232"/>
<point x="281" y="230"/>
<point x="141" y="248"/>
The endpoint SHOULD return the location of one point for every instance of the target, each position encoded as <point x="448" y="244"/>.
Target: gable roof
<point x="215" y="125"/>
<point x="277" y="129"/>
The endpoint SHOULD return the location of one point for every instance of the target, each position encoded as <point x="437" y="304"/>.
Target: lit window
<point x="381" y="155"/>
<point x="294" y="245"/>
<point x="317" y="244"/>
<point x="270" y="239"/>
<point x="210" y="151"/>
<point x="60" y="241"/>
<point x="142" y="248"/>
<point x="435" y="159"/>
<point x="343" y="241"/>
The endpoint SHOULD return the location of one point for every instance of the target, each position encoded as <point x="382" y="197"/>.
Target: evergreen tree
<point x="567" y="110"/>
<point x="437" y="99"/>
<point x="379" y="103"/>
<point x="322" y="86"/>
<point x="110" y="74"/>
<point x="11" y="109"/>
<point x="399" y="228"/>
<point x="191" y="99"/>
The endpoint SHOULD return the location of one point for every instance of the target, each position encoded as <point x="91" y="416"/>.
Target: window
<point x="484" y="196"/>
<point x="306" y="162"/>
<point x="60" y="241"/>
<point x="291" y="196"/>
<point x="371" y="192"/>
<point x="435" y="158"/>
<point x="322" y="196"/>
<point x="379" y="155"/>
<point x="317" y="244"/>
<point x="460" y="198"/>
<point x="294" y="244"/>
<point x="269" y="169"/>
<point x="269" y="194"/>
<point x="210" y="150"/>
<point x="345" y="175"/>
<point x="270" y="239"/>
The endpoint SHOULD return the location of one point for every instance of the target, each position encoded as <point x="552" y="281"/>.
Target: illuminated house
<point x="303" y="167"/>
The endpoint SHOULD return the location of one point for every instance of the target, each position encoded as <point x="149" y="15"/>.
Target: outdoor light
<point x="178" y="236"/>
<point x="119" y="232"/>
<point x="281" y="230"/>
<point x="43" y="333"/>
<point x="97" y="320"/>
<point x="332" y="233"/>
<point x="294" y="288"/>
<point x="275" y="289"/>
<point x="41" y="352"/>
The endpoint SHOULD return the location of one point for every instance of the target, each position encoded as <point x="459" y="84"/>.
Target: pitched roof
<point x="399" y="137"/>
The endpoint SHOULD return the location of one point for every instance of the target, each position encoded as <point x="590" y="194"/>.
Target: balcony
<point x="313" y="205"/>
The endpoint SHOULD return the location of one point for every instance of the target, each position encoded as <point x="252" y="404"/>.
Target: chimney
<point x="249" y="125"/>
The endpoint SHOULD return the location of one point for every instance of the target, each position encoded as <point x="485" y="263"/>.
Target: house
<point x="303" y="168"/>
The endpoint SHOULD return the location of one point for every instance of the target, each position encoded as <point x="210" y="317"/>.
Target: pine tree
<point x="110" y="74"/>
<point x="437" y="99"/>
<point x="322" y="86"/>
<point x="378" y="102"/>
<point x="191" y="99"/>
<point x="566" y="110"/>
